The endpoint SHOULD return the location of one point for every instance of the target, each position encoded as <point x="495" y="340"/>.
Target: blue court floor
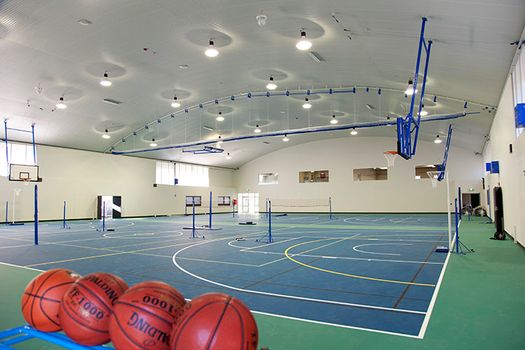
<point x="368" y="271"/>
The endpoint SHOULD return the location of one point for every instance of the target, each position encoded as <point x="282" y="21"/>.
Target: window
<point x="192" y="175"/>
<point x="371" y="174"/>
<point x="19" y="153"/>
<point x="190" y="200"/>
<point x="165" y="173"/>
<point x="268" y="179"/>
<point x="223" y="201"/>
<point x="313" y="176"/>
<point x="422" y="171"/>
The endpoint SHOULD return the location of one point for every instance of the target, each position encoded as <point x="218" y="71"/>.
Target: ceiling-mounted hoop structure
<point x="408" y="127"/>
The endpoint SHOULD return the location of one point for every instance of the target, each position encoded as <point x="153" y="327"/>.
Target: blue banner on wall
<point x="519" y="113"/>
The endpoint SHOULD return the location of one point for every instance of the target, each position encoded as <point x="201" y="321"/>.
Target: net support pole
<point x="330" y="206"/>
<point x="270" y="240"/>
<point x="36" y="214"/>
<point x="457" y="225"/>
<point x="449" y="214"/>
<point x="460" y="202"/>
<point x="33" y="142"/>
<point x="14" y="207"/>
<point x="103" y="216"/>
<point x="193" y="218"/>
<point x="6" y="143"/>
<point x="266" y="207"/>
<point x="211" y="208"/>
<point x="64" y="217"/>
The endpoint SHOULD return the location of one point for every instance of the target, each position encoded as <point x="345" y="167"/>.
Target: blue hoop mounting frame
<point x="408" y="127"/>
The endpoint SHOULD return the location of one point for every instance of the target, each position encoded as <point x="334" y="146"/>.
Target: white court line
<point x="285" y="296"/>
<point x="426" y="320"/>
<point x="334" y="324"/>
<point x="220" y="262"/>
<point x="376" y="253"/>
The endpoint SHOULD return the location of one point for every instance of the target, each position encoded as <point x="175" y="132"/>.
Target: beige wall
<point x="79" y="176"/>
<point x="400" y="193"/>
<point x="512" y="165"/>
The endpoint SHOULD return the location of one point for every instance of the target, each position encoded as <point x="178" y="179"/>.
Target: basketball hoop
<point x="434" y="177"/>
<point x="390" y="157"/>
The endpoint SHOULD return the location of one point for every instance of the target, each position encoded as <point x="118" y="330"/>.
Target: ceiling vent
<point x="112" y="101"/>
<point x="316" y="56"/>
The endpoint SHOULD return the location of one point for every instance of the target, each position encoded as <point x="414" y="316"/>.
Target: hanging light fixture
<point x="334" y="121"/>
<point x="220" y="118"/>
<point x="285" y="138"/>
<point x="303" y="44"/>
<point x="211" y="51"/>
<point x="228" y="156"/>
<point x="175" y="103"/>
<point x="437" y="140"/>
<point x="257" y="130"/>
<point x="60" y="104"/>
<point x="105" y="80"/>
<point x="307" y="104"/>
<point x="410" y="89"/>
<point x="153" y="143"/>
<point x="271" y="85"/>
<point x="423" y="111"/>
<point x="105" y="135"/>
<point x="353" y="132"/>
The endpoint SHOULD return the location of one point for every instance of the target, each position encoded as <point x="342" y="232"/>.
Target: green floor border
<point x="481" y="305"/>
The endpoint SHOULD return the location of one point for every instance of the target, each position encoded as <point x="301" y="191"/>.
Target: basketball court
<point x="338" y="167"/>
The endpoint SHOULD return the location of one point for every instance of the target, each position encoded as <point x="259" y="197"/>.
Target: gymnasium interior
<point x="334" y="174"/>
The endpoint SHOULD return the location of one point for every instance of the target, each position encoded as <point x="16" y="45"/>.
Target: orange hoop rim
<point x="390" y="152"/>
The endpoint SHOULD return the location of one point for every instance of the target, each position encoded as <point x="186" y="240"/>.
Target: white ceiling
<point x="42" y="44"/>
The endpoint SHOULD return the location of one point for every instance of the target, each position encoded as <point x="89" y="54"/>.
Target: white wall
<point x="79" y="176"/>
<point x="511" y="177"/>
<point x="400" y="193"/>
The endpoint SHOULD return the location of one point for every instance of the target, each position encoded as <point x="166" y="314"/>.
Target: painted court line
<point x="285" y="296"/>
<point x="355" y="248"/>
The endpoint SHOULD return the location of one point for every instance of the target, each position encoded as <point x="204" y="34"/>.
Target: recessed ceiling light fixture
<point x="153" y="143"/>
<point x="105" y="135"/>
<point x="334" y="121"/>
<point x="271" y="85"/>
<point x="285" y="138"/>
<point x="84" y="22"/>
<point x="257" y="130"/>
<point x="61" y="104"/>
<point x="423" y="112"/>
<point x="211" y="51"/>
<point x="175" y="103"/>
<point x="410" y="89"/>
<point x="220" y="141"/>
<point x="437" y="140"/>
<point x="220" y="118"/>
<point x="228" y="156"/>
<point x="353" y="132"/>
<point x="105" y="80"/>
<point x="306" y="104"/>
<point x="303" y="44"/>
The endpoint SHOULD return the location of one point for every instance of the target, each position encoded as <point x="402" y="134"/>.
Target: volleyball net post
<point x="36" y="215"/>
<point x="64" y="222"/>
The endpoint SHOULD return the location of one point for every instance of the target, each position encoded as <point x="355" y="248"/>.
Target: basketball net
<point x="434" y="176"/>
<point x="390" y="157"/>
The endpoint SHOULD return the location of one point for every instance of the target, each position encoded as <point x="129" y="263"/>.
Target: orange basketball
<point x="42" y="296"/>
<point x="86" y="307"/>
<point x="215" y="321"/>
<point x="142" y="317"/>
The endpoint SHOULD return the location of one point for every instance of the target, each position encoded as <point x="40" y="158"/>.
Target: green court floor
<point x="480" y="305"/>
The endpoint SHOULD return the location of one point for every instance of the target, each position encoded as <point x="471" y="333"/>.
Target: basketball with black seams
<point x="142" y="318"/>
<point x="86" y="307"/>
<point x="214" y="321"/>
<point x="42" y="297"/>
